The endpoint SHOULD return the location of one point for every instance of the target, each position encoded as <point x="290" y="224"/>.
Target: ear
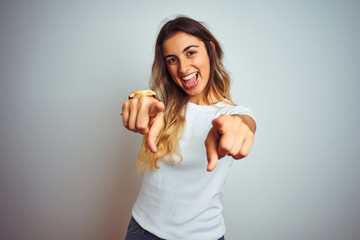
<point x="212" y="44"/>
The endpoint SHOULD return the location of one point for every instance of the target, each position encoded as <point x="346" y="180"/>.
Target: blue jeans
<point x="136" y="232"/>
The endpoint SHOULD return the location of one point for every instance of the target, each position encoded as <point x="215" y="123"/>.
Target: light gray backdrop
<point x="68" y="165"/>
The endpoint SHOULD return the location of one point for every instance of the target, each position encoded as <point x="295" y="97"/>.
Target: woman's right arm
<point x="144" y="114"/>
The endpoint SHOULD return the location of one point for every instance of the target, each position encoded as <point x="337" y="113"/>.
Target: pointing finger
<point x="226" y="144"/>
<point x="211" y="144"/>
<point x="155" y="129"/>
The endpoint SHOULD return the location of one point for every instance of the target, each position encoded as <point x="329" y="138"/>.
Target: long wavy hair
<point x="174" y="98"/>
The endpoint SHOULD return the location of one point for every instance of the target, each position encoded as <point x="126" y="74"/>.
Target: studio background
<point x="68" y="166"/>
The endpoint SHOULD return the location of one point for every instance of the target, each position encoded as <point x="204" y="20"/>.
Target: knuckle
<point x="133" y="102"/>
<point x="243" y="154"/>
<point x="237" y="157"/>
<point x="143" y="132"/>
<point x="221" y="131"/>
<point x="233" y="153"/>
<point x="225" y="148"/>
<point x="134" y="99"/>
<point x="131" y="127"/>
<point x="141" y="126"/>
<point x="126" y="104"/>
<point x="141" y="99"/>
<point x="144" y="99"/>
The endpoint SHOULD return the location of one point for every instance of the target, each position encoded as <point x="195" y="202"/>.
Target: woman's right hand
<point x="144" y="114"/>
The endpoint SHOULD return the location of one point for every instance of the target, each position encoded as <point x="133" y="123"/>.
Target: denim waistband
<point x="136" y="232"/>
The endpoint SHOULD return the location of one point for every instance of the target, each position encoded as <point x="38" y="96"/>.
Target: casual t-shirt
<point x="183" y="201"/>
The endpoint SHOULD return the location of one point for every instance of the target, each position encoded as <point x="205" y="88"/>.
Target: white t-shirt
<point x="184" y="201"/>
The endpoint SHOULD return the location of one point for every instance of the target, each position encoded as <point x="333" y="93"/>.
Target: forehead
<point x="177" y="42"/>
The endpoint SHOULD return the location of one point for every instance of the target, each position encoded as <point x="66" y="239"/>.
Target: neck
<point x="211" y="99"/>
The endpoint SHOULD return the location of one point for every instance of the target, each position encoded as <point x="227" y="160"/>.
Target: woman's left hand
<point x="230" y="135"/>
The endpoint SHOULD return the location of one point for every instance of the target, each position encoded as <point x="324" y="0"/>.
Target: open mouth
<point x="191" y="80"/>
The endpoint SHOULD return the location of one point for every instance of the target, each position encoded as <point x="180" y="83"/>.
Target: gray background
<point x="68" y="166"/>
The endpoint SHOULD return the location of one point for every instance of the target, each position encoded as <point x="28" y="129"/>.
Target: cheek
<point x="204" y="64"/>
<point x="205" y="68"/>
<point x="170" y="69"/>
<point x="173" y="72"/>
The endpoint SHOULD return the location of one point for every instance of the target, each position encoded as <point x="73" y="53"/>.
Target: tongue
<point x="191" y="81"/>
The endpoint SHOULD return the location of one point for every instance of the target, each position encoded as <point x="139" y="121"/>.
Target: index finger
<point x="154" y="132"/>
<point x="211" y="144"/>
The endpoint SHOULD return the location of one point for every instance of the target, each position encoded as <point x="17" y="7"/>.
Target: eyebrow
<point x="185" y="49"/>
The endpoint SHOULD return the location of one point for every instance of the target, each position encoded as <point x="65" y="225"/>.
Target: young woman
<point x="191" y="136"/>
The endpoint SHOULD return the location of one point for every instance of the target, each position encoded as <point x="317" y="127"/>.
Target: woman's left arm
<point x="230" y="135"/>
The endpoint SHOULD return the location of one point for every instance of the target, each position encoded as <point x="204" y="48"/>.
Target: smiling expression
<point x="188" y="63"/>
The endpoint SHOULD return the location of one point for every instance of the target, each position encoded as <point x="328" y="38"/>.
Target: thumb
<point x="156" y="108"/>
<point x="219" y="124"/>
<point x="211" y="144"/>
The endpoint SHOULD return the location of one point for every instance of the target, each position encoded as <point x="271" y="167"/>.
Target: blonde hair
<point x="174" y="97"/>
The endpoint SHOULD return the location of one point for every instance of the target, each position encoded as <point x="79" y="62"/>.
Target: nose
<point x="184" y="66"/>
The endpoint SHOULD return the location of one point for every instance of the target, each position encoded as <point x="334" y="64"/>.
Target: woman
<point x="186" y="133"/>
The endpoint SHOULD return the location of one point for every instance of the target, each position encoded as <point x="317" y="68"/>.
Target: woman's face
<point x="188" y="63"/>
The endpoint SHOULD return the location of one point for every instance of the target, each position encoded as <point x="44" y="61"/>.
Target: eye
<point x="170" y="60"/>
<point x="191" y="52"/>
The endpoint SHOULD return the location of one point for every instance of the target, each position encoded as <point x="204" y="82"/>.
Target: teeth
<point x="189" y="76"/>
